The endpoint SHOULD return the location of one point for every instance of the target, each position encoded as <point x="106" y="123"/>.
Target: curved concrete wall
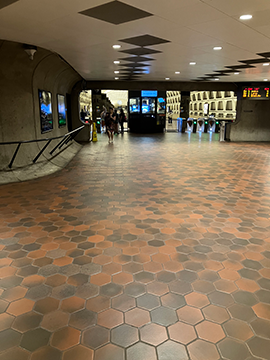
<point x="20" y="79"/>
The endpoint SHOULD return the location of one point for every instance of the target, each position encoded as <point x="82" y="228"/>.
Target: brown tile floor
<point x="156" y="247"/>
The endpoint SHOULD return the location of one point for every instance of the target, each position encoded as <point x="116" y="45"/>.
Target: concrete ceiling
<point x="171" y="33"/>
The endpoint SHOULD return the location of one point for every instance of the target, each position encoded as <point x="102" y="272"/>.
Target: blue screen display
<point x="146" y="109"/>
<point x="149" y="93"/>
<point x="161" y="100"/>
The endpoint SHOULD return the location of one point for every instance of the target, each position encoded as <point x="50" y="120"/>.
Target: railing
<point x="65" y="140"/>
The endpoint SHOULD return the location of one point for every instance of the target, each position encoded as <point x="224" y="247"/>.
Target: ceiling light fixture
<point x="265" y="79"/>
<point x="266" y="64"/>
<point x="245" y="17"/>
<point x="217" y="48"/>
<point x="117" y="78"/>
<point x="116" y="62"/>
<point x="216" y="79"/>
<point x="177" y="72"/>
<point x="30" y="50"/>
<point x="167" y="78"/>
<point x="116" y="46"/>
<point x="192" y="63"/>
<point x="236" y="73"/>
<point x="116" y="72"/>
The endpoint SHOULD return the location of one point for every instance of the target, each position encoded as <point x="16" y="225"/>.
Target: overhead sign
<point x="149" y="93"/>
<point x="259" y="92"/>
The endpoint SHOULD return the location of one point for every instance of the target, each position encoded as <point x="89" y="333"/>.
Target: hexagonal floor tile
<point x="96" y="337"/>
<point x="173" y="301"/>
<point x="182" y="333"/>
<point x="65" y="338"/>
<point x="148" y="302"/>
<point x="238" y="329"/>
<point x="124" y="335"/>
<point x="141" y="351"/>
<point x="153" y="334"/>
<point x="164" y="316"/>
<point x="210" y="331"/>
<point x="110" y="318"/>
<point x="79" y="352"/>
<point x="171" y="350"/>
<point x="137" y="317"/>
<point x="190" y="315"/>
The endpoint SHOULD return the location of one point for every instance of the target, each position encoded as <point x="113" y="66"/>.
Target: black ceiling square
<point x="225" y="71"/>
<point x="5" y="3"/>
<point x="221" y="74"/>
<point x="116" y="12"/>
<point x="134" y="65"/>
<point x="266" y="54"/>
<point x="254" y="61"/>
<point x="130" y="71"/>
<point x="130" y="78"/>
<point x="240" y="67"/>
<point x="141" y="51"/>
<point x="136" y="59"/>
<point x="145" y="40"/>
<point x="216" y="75"/>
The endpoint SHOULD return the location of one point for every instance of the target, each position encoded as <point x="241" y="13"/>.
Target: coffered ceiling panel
<point x="5" y="3"/>
<point x="160" y="37"/>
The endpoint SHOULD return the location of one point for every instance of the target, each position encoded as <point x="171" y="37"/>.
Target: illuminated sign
<point x="149" y="93"/>
<point x="259" y="92"/>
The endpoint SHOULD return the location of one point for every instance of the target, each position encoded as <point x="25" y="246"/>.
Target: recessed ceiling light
<point x="192" y="63"/>
<point x="116" y="46"/>
<point x="116" y="72"/>
<point x="177" y="72"/>
<point x="216" y="79"/>
<point x="116" y="78"/>
<point x="236" y="73"/>
<point x="167" y="78"/>
<point x="217" y="48"/>
<point x="245" y="17"/>
<point x="265" y="79"/>
<point x="266" y="64"/>
<point x="116" y="62"/>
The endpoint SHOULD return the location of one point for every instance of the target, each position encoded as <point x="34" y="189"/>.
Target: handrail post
<point x="53" y="150"/>
<point x="41" y="151"/>
<point x="14" y="156"/>
<point x="66" y="140"/>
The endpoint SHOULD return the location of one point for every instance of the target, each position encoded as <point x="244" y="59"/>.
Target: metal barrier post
<point x="41" y="151"/>
<point x="53" y="150"/>
<point x="14" y="155"/>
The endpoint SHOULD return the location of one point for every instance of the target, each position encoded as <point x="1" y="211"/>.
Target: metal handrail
<point x="65" y="139"/>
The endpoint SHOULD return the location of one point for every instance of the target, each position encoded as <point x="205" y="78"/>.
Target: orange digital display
<point x="259" y="92"/>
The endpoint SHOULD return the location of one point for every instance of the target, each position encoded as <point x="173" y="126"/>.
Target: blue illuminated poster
<point x="61" y="110"/>
<point x="45" y="106"/>
<point x="149" y="93"/>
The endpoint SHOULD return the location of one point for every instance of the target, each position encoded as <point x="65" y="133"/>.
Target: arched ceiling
<point x="168" y="35"/>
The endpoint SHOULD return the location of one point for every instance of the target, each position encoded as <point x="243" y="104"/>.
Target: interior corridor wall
<point x="20" y="80"/>
<point x="252" y="121"/>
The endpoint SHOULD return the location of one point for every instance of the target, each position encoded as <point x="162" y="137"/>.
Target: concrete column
<point x="185" y="100"/>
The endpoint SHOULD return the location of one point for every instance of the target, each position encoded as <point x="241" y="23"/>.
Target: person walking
<point x="122" y="119"/>
<point x="103" y="115"/>
<point x="110" y="124"/>
<point x="115" y="122"/>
